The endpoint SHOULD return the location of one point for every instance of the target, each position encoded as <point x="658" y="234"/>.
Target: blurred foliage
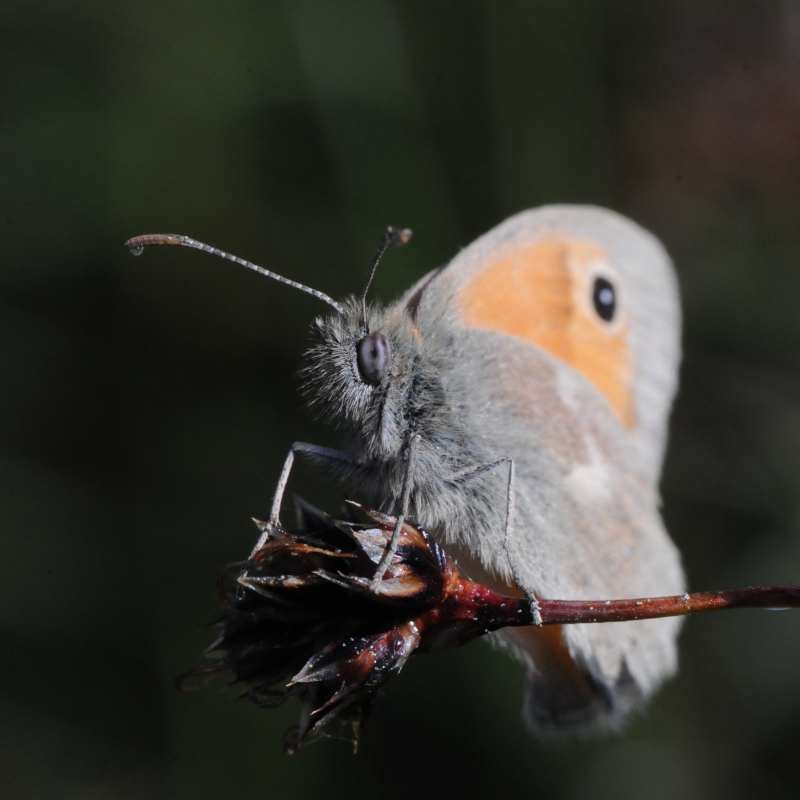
<point x="146" y="406"/>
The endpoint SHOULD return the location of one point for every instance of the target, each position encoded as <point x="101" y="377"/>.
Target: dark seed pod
<point x="309" y="626"/>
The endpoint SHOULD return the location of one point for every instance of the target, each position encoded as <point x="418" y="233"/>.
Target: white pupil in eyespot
<point x="606" y="296"/>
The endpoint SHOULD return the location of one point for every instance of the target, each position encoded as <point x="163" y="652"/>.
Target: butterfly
<point x="515" y="402"/>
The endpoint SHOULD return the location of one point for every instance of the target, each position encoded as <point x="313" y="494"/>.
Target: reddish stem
<point x="566" y="612"/>
<point x="472" y="602"/>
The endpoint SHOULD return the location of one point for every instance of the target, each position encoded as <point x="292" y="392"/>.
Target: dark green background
<point x="146" y="405"/>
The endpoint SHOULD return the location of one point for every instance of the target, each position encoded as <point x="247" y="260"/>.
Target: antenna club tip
<point x="140" y="242"/>
<point x="397" y="237"/>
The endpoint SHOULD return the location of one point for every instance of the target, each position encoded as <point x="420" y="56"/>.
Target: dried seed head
<point x="309" y="626"/>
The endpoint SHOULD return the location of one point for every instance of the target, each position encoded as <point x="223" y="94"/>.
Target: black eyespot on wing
<point x="604" y="298"/>
<point x="374" y="357"/>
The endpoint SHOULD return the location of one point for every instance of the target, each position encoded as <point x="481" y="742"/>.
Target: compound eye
<point x="374" y="357"/>
<point x="604" y="299"/>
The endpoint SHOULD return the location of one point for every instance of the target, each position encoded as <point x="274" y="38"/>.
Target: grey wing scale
<point x="587" y="522"/>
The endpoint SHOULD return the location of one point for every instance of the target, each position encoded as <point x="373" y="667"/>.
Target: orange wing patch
<point x="543" y="295"/>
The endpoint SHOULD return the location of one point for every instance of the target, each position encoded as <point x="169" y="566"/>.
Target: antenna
<point x="138" y="243"/>
<point x="393" y="237"/>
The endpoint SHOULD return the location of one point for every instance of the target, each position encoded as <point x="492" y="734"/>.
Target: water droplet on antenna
<point x="137" y="251"/>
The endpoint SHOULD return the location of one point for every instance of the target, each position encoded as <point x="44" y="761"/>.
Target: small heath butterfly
<point x="528" y="384"/>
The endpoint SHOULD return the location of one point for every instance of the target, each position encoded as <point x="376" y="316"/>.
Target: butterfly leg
<point x="509" y="526"/>
<point x="388" y="554"/>
<point x="314" y="450"/>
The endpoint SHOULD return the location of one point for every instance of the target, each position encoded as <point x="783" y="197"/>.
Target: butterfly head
<point x="357" y="373"/>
